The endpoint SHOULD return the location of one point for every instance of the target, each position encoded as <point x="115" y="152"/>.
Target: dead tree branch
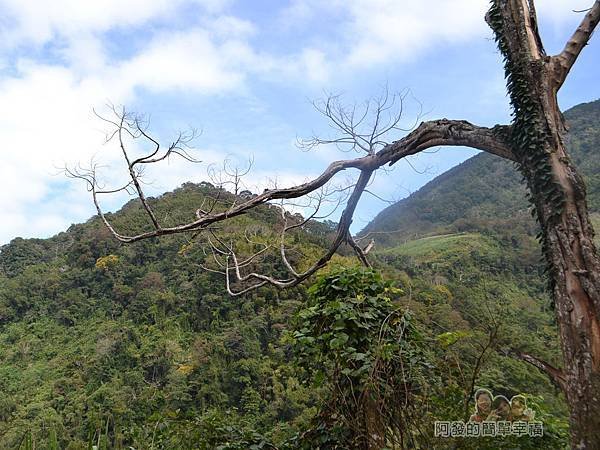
<point x="362" y="129"/>
<point x="556" y="375"/>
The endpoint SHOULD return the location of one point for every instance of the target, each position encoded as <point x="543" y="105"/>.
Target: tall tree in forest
<point x="535" y="141"/>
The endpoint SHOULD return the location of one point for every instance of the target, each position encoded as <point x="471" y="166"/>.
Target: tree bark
<point x="374" y="428"/>
<point x="558" y="195"/>
<point x="576" y="270"/>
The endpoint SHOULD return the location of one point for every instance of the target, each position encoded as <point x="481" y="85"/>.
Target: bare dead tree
<point x="534" y="140"/>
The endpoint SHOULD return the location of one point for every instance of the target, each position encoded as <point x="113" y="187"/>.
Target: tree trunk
<point x="575" y="271"/>
<point x="558" y="195"/>
<point x="374" y="427"/>
<point x="573" y="266"/>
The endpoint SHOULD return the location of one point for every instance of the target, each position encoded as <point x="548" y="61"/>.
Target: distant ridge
<point x="484" y="192"/>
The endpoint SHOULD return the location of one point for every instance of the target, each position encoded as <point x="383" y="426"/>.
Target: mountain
<point x="106" y="343"/>
<point x="485" y="193"/>
<point x="125" y="346"/>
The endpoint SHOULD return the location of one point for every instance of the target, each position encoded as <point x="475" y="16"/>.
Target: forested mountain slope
<point x="100" y="342"/>
<point x="484" y="192"/>
<point x="137" y="345"/>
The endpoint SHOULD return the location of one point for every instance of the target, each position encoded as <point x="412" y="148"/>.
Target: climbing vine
<point x="368" y="357"/>
<point x="529" y="136"/>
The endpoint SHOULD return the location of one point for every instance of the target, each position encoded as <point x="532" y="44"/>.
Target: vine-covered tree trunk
<point x="575" y="271"/>
<point x="559" y="198"/>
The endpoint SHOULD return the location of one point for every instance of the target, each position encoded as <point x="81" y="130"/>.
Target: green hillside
<point x="109" y="353"/>
<point x="137" y="346"/>
<point x="485" y="193"/>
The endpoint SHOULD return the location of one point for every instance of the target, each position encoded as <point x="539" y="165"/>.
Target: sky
<point x="245" y="74"/>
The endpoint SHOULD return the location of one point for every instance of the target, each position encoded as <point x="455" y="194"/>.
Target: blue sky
<point x="245" y="74"/>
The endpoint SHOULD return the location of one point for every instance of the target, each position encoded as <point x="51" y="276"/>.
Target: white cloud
<point x="373" y="31"/>
<point x="46" y="116"/>
<point x="401" y="30"/>
<point x="39" y="22"/>
<point x="230" y="26"/>
<point x="189" y="60"/>
<point x="313" y="62"/>
<point x="560" y="11"/>
<point x="85" y="55"/>
<point x="45" y="108"/>
<point x="45" y="121"/>
<point x="380" y="31"/>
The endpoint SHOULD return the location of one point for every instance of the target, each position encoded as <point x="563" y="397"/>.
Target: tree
<point x="534" y="140"/>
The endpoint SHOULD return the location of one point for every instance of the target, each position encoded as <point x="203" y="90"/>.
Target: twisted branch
<point x="426" y="135"/>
